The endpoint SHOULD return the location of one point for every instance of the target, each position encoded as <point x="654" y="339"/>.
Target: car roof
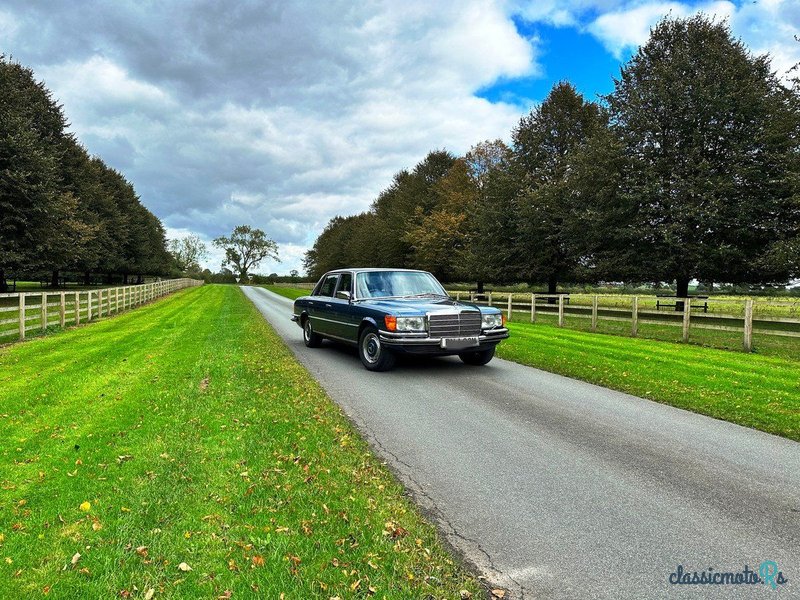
<point x="373" y="269"/>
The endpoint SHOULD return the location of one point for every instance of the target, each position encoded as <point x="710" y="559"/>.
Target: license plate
<point x="459" y="343"/>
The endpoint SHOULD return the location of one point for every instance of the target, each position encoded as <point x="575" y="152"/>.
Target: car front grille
<point x="455" y="324"/>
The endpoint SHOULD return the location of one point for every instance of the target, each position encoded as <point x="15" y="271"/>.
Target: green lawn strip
<point x="196" y="438"/>
<point x="287" y="292"/>
<point x="751" y="390"/>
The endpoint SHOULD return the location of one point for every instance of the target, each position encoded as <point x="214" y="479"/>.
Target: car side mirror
<point x="343" y="295"/>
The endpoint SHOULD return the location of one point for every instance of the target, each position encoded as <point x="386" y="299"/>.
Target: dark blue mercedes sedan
<point x="386" y="311"/>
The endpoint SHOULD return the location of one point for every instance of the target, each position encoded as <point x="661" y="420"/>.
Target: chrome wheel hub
<point x="371" y="348"/>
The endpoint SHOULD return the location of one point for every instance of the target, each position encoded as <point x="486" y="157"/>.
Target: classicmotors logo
<point x="767" y="574"/>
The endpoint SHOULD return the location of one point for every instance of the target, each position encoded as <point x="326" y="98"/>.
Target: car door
<point x="321" y="313"/>
<point x="342" y="317"/>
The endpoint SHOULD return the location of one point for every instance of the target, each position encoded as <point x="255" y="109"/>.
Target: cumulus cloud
<point x="277" y="115"/>
<point x="766" y="27"/>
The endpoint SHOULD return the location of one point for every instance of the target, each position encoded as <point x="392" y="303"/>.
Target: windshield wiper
<point x="428" y="295"/>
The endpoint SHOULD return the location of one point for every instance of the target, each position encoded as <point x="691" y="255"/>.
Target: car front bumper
<point x="421" y="343"/>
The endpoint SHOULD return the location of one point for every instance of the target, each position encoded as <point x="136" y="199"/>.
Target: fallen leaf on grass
<point x="142" y="551"/>
<point x="204" y="384"/>
<point x="258" y="561"/>
<point x="184" y="567"/>
<point x="149" y="594"/>
<point x="124" y="458"/>
<point x="86" y="506"/>
<point x="498" y="593"/>
<point x="465" y="594"/>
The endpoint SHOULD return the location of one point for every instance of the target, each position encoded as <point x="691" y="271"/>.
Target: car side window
<point x="328" y="286"/>
<point x="345" y="283"/>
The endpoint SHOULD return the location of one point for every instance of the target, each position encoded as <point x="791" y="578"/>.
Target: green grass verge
<point x="186" y="432"/>
<point x="287" y="292"/>
<point x="755" y="391"/>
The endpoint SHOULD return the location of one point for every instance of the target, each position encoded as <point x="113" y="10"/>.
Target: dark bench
<point x="479" y="296"/>
<point x="676" y="302"/>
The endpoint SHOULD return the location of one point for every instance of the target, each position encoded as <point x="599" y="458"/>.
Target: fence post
<point x="508" y="318"/>
<point x="594" y="312"/>
<point x="22" y="316"/>
<point x="634" y="316"/>
<point x="533" y="308"/>
<point x="458" y="296"/>
<point x="63" y="310"/>
<point x="44" y="311"/>
<point x="471" y="299"/>
<point x="490" y="298"/>
<point x="89" y="305"/>
<point x="748" y="325"/>
<point x="77" y="308"/>
<point x="561" y="310"/>
<point x="687" y="309"/>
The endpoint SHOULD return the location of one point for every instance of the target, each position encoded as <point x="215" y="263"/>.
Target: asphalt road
<point x="557" y="488"/>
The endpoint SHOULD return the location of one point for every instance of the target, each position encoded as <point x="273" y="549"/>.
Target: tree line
<point x="687" y="170"/>
<point x="61" y="209"/>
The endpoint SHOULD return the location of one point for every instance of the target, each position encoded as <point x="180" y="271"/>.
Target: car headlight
<point x="490" y="321"/>
<point x="410" y="323"/>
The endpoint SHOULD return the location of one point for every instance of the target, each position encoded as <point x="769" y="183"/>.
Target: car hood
<point x="419" y="306"/>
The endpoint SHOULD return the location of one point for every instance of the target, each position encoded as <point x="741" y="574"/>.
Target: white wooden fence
<point x="743" y="315"/>
<point x="23" y="312"/>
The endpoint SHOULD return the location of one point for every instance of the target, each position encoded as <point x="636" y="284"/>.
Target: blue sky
<point x="281" y="115"/>
<point x="563" y="53"/>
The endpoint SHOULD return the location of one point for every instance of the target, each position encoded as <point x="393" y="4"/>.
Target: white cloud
<point x="629" y="27"/>
<point x="766" y="26"/>
<point x="277" y="115"/>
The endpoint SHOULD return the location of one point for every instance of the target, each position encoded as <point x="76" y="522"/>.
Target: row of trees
<point x="687" y="170"/>
<point x="62" y="210"/>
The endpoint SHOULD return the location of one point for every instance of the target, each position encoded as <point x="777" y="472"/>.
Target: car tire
<point x="374" y="356"/>
<point x="477" y="358"/>
<point x="310" y="337"/>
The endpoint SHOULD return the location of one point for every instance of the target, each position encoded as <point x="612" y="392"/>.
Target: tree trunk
<point x="3" y="284"/>
<point x="87" y="278"/>
<point x="139" y="279"/>
<point x="552" y="287"/>
<point x="109" y="278"/>
<point x="124" y="279"/>
<point x="681" y="291"/>
<point x="480" y="287"/>
<point x="54" y="279"/>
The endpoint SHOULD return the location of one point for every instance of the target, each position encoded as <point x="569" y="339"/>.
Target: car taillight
<point x="391" y="322"/>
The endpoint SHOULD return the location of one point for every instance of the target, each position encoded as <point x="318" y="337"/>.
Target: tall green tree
<point x="709" y="138"/>
<point x="188" y="252"/>
<point x="544" y="143"/>
<point x="245" y="248"/>
<point x="31" y="131"/>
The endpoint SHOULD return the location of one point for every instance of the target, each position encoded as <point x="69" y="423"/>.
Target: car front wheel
<point x="478" y="358"/>
<point x="374" y="356"/>
<point x="310" y="337"/>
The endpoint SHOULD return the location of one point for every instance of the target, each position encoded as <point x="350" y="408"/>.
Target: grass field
<point x="179" y="450"/>
<point x="287" y="292"/>
<point x="760" y="390"/>
<point x="755" y="391"/>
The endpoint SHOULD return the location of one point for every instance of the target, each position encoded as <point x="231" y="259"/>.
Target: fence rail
<point x="744" y="315"/>
<point x="36" y="311"/>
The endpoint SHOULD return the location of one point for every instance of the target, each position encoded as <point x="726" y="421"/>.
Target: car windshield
<point x="397" y="284"/>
